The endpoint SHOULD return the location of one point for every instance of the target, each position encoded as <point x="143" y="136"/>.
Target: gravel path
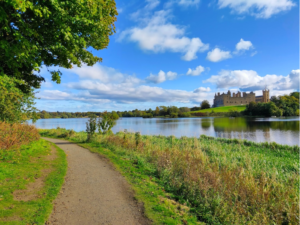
<point x="93" y="192"/>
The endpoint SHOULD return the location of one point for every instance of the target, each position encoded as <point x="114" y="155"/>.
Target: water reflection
<point x="280" y="130"/>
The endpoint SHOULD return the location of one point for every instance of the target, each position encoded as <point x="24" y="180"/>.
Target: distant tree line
<point x="286" y="105"/>
<point x="64" y="115"/>
<point x="161" y="111"/>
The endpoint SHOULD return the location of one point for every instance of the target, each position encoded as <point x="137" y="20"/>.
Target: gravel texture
<point x="94" y="192"/>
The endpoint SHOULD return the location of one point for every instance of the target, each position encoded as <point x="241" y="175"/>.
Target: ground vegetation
<point x="220" y="181"/>
<point x="31" y="174"/>
<point x="286" y="105"/>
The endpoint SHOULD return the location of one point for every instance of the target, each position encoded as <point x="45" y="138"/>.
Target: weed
<point x="222" y="181"/>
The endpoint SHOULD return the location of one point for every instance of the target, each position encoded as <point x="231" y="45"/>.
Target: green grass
<point x="17" y="170"/>
<point x="221" y="181"/>
<point x="142" y="176"/>
<point x="238" y="108"/>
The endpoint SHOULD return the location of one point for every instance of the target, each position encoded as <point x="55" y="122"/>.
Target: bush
<point x="195" y="108"/>
<point x="184" y="114"/>
<point x="233" y="112"/>
<point x="91" y="127"/>
<point x="173" y="115"/>
<point x="106" y="123"/>
<point x="205" y="105"/>
<point x="12" y="136"/>
<point x="147" y="115"/>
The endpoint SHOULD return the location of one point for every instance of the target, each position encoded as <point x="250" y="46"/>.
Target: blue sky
<point x="180" y="52"/>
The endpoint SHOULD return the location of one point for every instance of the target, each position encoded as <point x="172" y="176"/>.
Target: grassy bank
<point x="223" y="109"/>
<point x="31" y="174"/>
<point x="219" y="181"/>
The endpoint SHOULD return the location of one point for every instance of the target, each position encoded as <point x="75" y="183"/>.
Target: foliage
<point x="32" y="164"/>
<point x="184" y="109"/>
<point x="106" y="122"/>
<point x="184" y="114"/>
<point x="287" y="105"/>
<point x="12" y="136"/>
<point x="52" y="33"/>
<point x="15" y="106"/>
<point x="234" y="112"/>
<point x="91" y="127"/>
<point x="205" y="104"/>
<point x="221" y="181"/>
<point x="195" y="108"/>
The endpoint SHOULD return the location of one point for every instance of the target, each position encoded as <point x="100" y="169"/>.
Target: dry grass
<point x="229" y="193"/>
<point x="12" y="136"/>
<point x="223" y="183"/>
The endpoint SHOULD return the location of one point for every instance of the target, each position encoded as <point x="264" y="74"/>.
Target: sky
<point x="181" y="52"/>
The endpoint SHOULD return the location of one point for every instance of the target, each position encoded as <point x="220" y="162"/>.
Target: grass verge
<point x="30" y="179"/>
<point x="219" y="181"/>
<point x="224" y="109"/>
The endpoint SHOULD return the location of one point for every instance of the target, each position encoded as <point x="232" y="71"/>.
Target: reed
<point x="222" y="181"/>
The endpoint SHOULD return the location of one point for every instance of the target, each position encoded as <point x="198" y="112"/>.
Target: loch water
<point x="284" y="130"/>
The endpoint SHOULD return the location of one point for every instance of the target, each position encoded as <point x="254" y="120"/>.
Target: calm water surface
<point x="280" y="130"/>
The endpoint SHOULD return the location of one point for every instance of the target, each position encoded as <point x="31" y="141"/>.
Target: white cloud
<point x="60" y="95"/>
<point x="53" y="95"/>
<point x="195" y="72"/>
<point x="91" y="90"/>
<point x="258" y="8"/>
<point x="47" y="84"/>
<point x="249" y="80"/>
<point x="156" y="34"/>
<point x="151" y="4"/>
<point x="123" y="94"/>
<point x="294" y="76"/>
<point x="189" y="2"/>
<point x="202" y="89"/>
<point x="182" y="3"/>
<point x="253" y="53"/>
<point x="217" y="55"/>
<point x="104" y="74"/>
<point x="161" y="77"/>
<point x="243" y="45"/>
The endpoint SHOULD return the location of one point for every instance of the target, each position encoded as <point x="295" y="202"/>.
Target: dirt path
<point x="93" y="192"/>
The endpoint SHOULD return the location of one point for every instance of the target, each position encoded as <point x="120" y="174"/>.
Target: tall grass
<point x="223" y="181"/>
<point x="12" y="136"/>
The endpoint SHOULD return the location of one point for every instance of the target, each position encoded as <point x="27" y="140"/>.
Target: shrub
<point x="106" y="123"/>
<point x="184" y="114"/>
<point x="233" y="112"/>
<point x="205" y="105"/>
<point x="12" y="136"/>
<point x="91" y="127"/>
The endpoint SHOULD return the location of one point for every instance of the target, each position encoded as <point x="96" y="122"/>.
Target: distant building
<point x="239" y="98"/>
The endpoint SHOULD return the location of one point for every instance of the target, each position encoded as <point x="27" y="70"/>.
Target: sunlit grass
<point x="222" y="181"/>
<point x="23" y="166"/>
<point x="238" y="108"/>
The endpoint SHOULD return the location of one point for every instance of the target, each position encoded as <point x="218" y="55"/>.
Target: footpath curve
<point x="93" y="192"/>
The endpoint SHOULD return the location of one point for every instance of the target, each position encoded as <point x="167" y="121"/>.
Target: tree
<point x="114" y="115"/>
<point x="52" y="33"/>
<point x="91" y="127"/>
<point x="106" y="123"/>
<point x="184" y="109"/>
<point x="156" y="111"/>
<point x="15" y="106"/>
<point x="205" y="104"/>
<point x="163" y="110"/>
